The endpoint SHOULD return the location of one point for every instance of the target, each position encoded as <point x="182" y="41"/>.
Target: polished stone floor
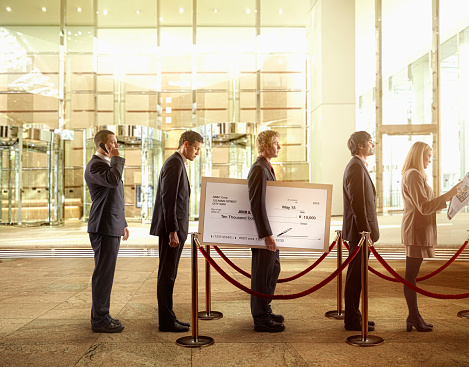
<point x="45" y="306"/>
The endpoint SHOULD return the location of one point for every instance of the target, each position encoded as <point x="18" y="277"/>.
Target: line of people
<point x="170" y="223"/>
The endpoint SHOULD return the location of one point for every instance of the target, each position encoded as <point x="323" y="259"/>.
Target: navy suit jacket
<point x="359" y="202"/>
<point x="171" y="212"/>
<point x="107" y="214"/>
<point x="258" y="176"/>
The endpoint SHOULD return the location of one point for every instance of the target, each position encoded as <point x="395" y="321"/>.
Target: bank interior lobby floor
<point x="45" y="298"/>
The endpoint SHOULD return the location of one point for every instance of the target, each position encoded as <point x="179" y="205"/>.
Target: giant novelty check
<point x="299" y="214"/>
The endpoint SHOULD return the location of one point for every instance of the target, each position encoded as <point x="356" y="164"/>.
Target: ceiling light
<point x="79" y="10"/>
<point x="248" y="11"/>
<point x="8" y="8"/>
<point x="44" y="9"/>
<point x="105" y="12"/>
<point x="161" y="19"/>
<point x="215" y="10"/>
<point x="138" y="11"/>
<point x="181" y="10"/>
<point x="280" y="11"/>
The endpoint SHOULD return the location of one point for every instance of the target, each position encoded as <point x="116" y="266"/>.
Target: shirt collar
<point x="102" y="156"/>
<point x="364" y="161"/>
<point x="184" y="159"/>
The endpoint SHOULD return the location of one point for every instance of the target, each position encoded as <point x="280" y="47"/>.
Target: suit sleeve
<point x="169" y="192"/>
<point x="106" y="176"/>
<point x="257" y="186"/>
<point x="356" y="192"/>
<point x="418" y="195"/>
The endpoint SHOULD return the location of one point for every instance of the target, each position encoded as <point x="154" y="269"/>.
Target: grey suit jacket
<point x="171" y="212"/>
<point x="104" y="181"/>
<point x="258" y="176"/>
<point x="359" y="202"/>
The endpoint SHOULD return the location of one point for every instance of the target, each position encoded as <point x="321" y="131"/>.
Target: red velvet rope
<point x="282" y="280"/>
<point x="280" y="296"/>
<point x="414" y="287"/>
<point x="425" y="277"/>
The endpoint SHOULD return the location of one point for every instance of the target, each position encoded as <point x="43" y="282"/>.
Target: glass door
<point x="142" y="148"/>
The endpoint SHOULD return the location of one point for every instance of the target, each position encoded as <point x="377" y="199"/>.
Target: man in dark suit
<point x="106" y="225"/>
<point x="359" y="216"/>
<point x="171" y="223"/>
<point x="265" y="265"/>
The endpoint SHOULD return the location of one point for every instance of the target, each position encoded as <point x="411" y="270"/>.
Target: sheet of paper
<point x="459" y="201"/>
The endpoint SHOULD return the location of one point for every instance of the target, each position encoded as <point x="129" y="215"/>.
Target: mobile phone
<point x="103" y="147"/>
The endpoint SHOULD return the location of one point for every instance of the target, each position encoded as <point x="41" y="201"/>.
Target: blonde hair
<point x="414" y="158"/>
<point x="265" y="137"/>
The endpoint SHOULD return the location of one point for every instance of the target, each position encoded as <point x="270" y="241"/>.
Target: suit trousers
<point x="167" y="272"/>
<point x="353" y="288"/>
<point x="105" y="250"/>
<point x="265" y="269"/>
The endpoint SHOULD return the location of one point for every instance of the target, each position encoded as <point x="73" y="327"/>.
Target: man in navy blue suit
<point x="265" y="264"/>
<point x="359" y="216"/>
<point x="171" y="223"/>
<point x="106" y="225"/>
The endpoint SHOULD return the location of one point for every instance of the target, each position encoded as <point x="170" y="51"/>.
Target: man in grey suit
<point x="265" y="265"/>
<point x="359" y="216"/>
<point x="171" y="223"/>
<point x="106" y="225"/>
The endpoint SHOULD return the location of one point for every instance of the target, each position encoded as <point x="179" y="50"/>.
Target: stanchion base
<point x="335" y="315"/>
<point x="464" y="314"/>
<point x="370" y="341"/>
<point x="191" y="342"/>
<point x="212" y="315"/>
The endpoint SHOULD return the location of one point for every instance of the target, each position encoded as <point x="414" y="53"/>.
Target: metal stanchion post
<point x="208" y="314"/>
<point x="464" y="314"/>
<point x="195" y="340"/>
<point x="364" y="340"/>
<point x="338" y="314"/>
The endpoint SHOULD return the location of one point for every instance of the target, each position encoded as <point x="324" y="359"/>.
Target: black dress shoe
<point x="270" y="326"/>
<point x="371" y="323"/>
<point x="183" y="323"/>
<point x="277" y="318"/>
<point x="109" y="328"/>
<point x="174" y="328"/>
<point x="358" y="327"/>
<point x="115" y="321"/>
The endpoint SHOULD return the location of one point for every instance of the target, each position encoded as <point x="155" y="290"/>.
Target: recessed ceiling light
<point x="79" y="32"/>
<point x="280" y="11"/>
<point x="8" y="8"/>
<point x="215" y="10"/>
<point x="105" y="12"/>
<point x="161" y="19"/>
<point x="79" y="10"/>
<point x="44" y="8"/>
<point x="181" y="10"/>
<point x="248" y="11"/>
<point x="138" y="11"/>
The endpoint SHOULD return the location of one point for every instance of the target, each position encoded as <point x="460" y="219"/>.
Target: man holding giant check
<point x="265" y="266"/>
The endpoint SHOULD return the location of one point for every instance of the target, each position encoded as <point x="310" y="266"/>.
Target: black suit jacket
<point x="107" y="214"/>
<point x="171" y="212"/>
<point x="258" y="176"/>
<point x="359" y="202"/>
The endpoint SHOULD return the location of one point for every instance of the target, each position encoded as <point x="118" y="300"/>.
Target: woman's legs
<point x="411" y="271"/>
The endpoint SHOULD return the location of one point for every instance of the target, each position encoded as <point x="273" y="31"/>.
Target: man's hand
<point x="270" y="243"/>
<point x="173" y="239"/>
<point x="126" y="235"/>
<point x="112" y="152"/>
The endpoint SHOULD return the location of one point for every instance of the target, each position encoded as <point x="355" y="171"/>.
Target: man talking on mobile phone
<point x="106" y="226"/>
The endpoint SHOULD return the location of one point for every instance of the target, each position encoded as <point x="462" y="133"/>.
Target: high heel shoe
<point x="425" y="323"/>
<point x="418" y="324"/>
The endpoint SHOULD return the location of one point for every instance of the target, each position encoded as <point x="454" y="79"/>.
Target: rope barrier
<point x="412" y="286"/>
<point x="282" y="296"/>
<point x="425" y="277"/>
<point x="282" y="280"/>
